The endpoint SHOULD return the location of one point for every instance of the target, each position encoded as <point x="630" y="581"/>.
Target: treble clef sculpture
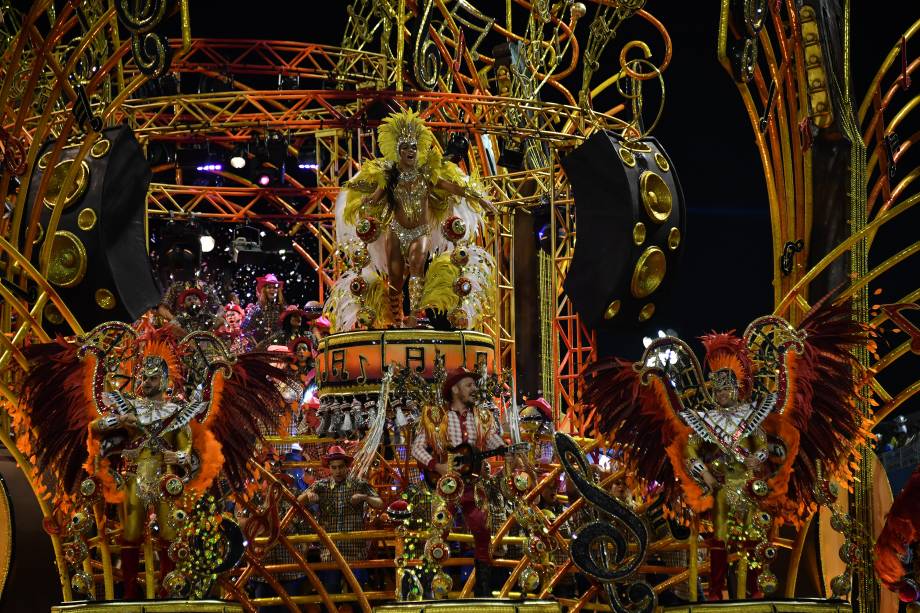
<point x="590" y="545"/>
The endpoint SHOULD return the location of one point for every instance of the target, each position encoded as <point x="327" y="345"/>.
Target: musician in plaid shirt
<point x="342" y="502"/>
<point x="461" y="424"/>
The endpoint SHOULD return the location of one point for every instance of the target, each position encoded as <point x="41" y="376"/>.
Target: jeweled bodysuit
<point x="409" y="222"/>
<point x="161" y="426"/>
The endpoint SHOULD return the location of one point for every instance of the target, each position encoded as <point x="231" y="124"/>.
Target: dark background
<point x="726" y="274"/>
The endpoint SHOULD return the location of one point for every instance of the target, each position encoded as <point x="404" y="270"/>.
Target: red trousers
<point x="476" y="521"/>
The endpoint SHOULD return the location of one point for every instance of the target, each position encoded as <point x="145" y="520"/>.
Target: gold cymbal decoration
<point x="100" y="148"/>
<point x="68" y="260"/>
<point x="647" y="311"/>
<point x="639" y="233"/>
<point x="649" y="272"/>
<point x="662" y="162"/>
<point x="656" y="196"/>
<point x="43" y="160"/>
<point x="105" y="299"/>
<point x="81" y="182"/>
<point x="627" y="156"/>
<point x="612" y="310"/>
<point x="86" y="220"/>
<point x="52" y="315"/>
<point x="673" y="239"/>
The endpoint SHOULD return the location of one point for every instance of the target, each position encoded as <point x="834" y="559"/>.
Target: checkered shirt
<point x="279" y="554"/>
<point x="458" y="431"/>
<point x="337" y="514"/>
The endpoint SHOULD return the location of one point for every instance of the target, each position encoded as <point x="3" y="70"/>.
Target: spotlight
<point x="238" y="157"/>
<point x="159" y="153"/>
<point x="545" y="239"/>
<point x="211" y="163"/>
<point x="207" y="242"/>
<point x="264" y="177"/>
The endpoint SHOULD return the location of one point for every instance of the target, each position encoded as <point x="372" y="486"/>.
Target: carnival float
<point x="290" y="326"/>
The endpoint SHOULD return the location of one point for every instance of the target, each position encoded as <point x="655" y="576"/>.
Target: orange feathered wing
<point x="246" y="405"/>
<point x="819" y="419"/>
<point x="57" y="407"/>
<point x="643" y="419"/>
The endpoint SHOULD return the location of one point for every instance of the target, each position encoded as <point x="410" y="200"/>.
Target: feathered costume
<point x="795" y="405"/>
<point x="896" y="549"/>
<point x="342" y="308"/>
<point x="65" y="391"/>
<point x="654" y="403"/>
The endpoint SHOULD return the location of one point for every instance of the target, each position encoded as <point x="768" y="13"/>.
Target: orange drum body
<point x="352" y="362"/>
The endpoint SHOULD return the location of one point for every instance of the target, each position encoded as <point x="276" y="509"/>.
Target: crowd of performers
<point x="140" y="423"/>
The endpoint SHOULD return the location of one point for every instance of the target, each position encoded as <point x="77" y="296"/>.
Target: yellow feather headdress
<point x="402" y="128"/>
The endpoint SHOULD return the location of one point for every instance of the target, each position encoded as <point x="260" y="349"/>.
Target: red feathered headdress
<point x="727" y="351"/>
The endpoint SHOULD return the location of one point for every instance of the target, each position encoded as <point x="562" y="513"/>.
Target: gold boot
<point x="416" y="285"/>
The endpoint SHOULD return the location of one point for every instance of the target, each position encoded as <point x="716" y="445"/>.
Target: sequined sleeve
<point x="372" y="177"/>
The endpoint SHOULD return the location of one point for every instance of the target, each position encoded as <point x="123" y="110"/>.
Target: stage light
<point x="277" y="145"/>
<point x="159" y="153"/>
<point x="306" y="155"/>
<point x="179" y="247"/>
<point x="457" y="146"/>
<point x="238" y="157"/>
<point x="248" y="250"/>
<point x="288" y="82"/>
<point x="264" y="177"/>
<point x="511" y="155"/>
<point x="207" y="242"/>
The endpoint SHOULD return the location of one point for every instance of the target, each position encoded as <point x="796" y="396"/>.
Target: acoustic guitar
<point x="466" y="461"/>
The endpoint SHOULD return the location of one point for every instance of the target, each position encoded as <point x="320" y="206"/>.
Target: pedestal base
<point x="150" y="606"/>
<point x="472" y="605"/>
<point x="799" y="605"/>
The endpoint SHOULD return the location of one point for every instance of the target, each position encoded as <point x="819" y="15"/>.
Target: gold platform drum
<point x="353" y="362"/>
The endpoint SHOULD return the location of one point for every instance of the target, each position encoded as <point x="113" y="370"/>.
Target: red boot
<point x="718" y="570"/>
<point x="753" y="585"/>
<point x="130" y="559"/>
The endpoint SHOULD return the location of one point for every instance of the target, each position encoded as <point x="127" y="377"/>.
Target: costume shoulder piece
<point x="373" y="176"/>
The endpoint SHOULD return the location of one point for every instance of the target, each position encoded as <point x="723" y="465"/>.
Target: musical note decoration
<point x="150" y="49"/>
<point x="600" y="549"/>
